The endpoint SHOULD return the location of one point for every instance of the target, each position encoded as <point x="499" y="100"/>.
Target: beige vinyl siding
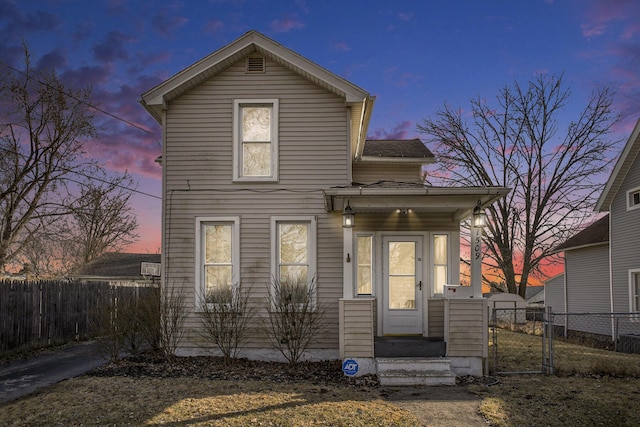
<point x="370" y="173"/>
<point x="198" y="163"/>
<point x="356" y="336"/>
<point x="467" y="323"/>
<point x="436" y="318"/>
<point x="624" y="239"/>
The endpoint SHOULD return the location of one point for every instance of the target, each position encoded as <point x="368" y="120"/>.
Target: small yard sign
<point x="350" y="367"/>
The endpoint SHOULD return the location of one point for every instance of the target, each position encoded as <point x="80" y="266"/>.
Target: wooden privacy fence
<point x="44" y="313"/>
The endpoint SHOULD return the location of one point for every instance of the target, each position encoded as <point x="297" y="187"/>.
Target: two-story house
<point x="263" y="153"/>
<point x="602" y="262"/>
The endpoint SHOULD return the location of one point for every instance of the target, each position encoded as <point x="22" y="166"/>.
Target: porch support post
<point x="347" y="263"/>
<point x="476" y="261"/>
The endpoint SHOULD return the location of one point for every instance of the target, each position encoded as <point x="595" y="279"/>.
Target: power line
<point x="88" y="104"/>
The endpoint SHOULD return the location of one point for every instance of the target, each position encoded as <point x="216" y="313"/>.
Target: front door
<point x="402" y="285"/>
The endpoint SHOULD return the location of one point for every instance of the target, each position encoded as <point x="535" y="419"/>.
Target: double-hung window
<point x="293" y="250"/>
<point x="255" y="140"/>
<point x="217" y="243"/>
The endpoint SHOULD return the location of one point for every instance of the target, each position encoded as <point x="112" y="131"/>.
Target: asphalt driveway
<point x="22" y="377"/>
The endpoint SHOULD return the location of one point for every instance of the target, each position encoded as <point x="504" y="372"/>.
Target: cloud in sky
<point x="113" y="47"/>
<point x="287" y="24"/>
<point x="400" y="131"/>
<point x="341" y="47"/>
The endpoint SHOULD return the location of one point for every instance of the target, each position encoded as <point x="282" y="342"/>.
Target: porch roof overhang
<point x="454" y="202"/>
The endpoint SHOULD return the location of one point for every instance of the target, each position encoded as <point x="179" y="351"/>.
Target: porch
<point x="456" y="338"/>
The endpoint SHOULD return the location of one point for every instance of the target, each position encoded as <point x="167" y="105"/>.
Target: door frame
<point x="421" y="268"/>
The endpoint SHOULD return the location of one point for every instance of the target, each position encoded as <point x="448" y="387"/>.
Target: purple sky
<point x="412" y="55"/>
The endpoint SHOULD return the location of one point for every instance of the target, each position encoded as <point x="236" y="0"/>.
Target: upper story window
<point x="633" y="199"/>
<point x="255" y="140"/>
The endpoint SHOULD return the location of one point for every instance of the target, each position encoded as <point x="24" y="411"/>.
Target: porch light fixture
<point x="479" y="216"/>
<point x="348" y="217"/>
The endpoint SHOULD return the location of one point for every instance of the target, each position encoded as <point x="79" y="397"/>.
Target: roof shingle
<point x="396" y="148"/>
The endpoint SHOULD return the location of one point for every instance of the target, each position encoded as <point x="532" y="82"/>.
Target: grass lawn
<point x="593" y="387"/>
<point x="122" y="401"/>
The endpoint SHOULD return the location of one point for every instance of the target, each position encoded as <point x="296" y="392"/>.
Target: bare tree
<point x="555" y="175"/>
<point x="43" y="126"/>
<point x="103" y="219"/>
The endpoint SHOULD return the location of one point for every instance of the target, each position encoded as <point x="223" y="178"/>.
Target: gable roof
<point x="624" y="163"/>
<point x="593" y="235"/>
<point x="397" y="150"/>
<point x="115" y="265"/>
<point x="156" y="99"/>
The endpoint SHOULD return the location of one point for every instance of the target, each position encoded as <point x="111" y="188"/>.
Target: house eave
<point x="573" y="248"/>
<point x="155" y="99"/>
<point x="455" y="202"/>
<point x="620" y="170"/>
<point x="396" y="160"/>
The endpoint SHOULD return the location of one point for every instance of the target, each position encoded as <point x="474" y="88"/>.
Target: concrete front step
<point x="407" y="371"/>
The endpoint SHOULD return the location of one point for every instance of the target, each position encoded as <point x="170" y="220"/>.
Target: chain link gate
<point x="521" y="341"/>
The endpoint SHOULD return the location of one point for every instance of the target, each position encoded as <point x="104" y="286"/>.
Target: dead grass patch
<point x="539" y="400"/>
<point x="198" y="402"/>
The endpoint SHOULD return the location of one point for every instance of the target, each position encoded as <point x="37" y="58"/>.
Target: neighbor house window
<point x="255" y="140"/>
<point x="634" y="290"/>
<point x="293" y="249"/>
<point x="364" y="264"/>
<point x="217" y="242"/>
<point x="633" y="198"/>
<point x="440" y="262"/>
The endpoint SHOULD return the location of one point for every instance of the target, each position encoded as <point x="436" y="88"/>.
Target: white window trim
<point x="632" y="296"/>
<point x="237" y="140"/>
<point x="631" y="207"/>
<point x="355" y="264"/>
<point x="312" y="255"/>
<point x="432" y="264"/>
<point x="235" y="253"/>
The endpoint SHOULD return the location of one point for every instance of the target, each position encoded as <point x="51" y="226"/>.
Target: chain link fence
<point x="524" y="342"/>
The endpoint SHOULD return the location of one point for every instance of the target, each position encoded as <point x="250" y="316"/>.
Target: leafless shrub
<point x="295" y="318"/>
<point x="225" y="315"/>
<point x="149" y="316"/>
<point x="108" y="325"/>
<point x="173" y="313"/>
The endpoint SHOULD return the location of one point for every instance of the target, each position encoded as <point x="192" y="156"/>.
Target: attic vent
<point x="255" y="65"/>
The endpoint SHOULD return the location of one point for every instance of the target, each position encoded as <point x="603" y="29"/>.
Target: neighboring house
<point x="602" y="262"/>
<point x="534" y="297"/>
<point x="119" y="268"/>
<point x="263" y="151"/>
<point x="554" y="293"/>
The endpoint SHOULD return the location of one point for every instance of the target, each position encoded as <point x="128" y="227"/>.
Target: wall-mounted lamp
<point x="479" y="216"/>
<point x="348" y="217"/>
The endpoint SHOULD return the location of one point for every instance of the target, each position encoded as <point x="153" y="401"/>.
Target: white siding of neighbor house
<point x="370" y="173"/>
<point x="554" y="294"/>
<point x="313" y="154"/>
<point x="587" y="276"/>
<point x="624" y="239"/>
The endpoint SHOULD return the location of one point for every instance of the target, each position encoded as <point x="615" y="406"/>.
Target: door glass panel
<point x="402" y="275"/>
